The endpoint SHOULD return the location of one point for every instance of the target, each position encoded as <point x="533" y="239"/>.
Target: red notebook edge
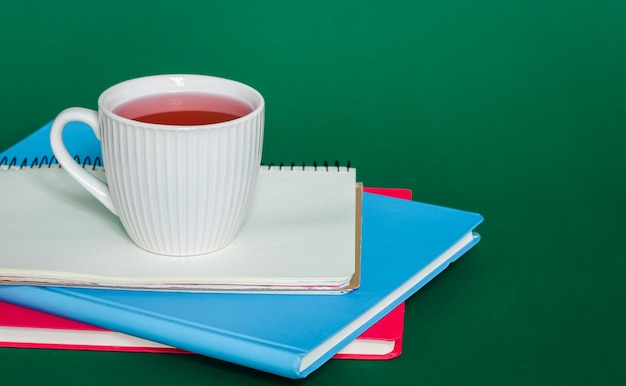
<point x="27" y="328"/>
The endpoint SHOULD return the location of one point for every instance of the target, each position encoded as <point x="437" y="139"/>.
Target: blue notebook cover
<point x="404" y="245"/>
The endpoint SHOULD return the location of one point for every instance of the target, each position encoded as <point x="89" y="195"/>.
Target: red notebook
<point x="26" y="328"/>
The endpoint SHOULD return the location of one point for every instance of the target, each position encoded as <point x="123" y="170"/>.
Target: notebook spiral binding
<point x="48" y="162"/>
<point x="86" y="162"/>
<point x="325" y="166"/>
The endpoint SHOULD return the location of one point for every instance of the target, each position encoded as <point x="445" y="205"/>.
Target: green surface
<point x="514" y="109"/>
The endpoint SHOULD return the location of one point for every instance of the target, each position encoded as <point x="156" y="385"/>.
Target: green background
<point x="514" y="109"/>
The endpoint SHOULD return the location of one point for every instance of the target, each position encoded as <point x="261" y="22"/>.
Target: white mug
<point x="178" y="189"/>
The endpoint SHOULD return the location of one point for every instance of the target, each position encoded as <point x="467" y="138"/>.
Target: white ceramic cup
<point x="178" y="190"/>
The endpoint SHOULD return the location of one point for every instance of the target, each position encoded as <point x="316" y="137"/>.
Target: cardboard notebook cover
<point x="25" y="328"/>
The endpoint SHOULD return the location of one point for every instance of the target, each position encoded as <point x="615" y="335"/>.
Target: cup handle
<point x="97" y="188"/>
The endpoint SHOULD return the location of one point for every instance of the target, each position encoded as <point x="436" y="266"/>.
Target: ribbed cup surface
<point x="181" y="191"/>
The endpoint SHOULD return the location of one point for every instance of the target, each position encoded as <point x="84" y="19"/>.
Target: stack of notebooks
<point x="320" y="269"/>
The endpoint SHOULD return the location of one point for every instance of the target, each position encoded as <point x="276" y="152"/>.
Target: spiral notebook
<point x="302" y="232"/>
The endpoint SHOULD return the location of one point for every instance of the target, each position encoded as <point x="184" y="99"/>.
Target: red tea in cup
<point x="183" y="109"/>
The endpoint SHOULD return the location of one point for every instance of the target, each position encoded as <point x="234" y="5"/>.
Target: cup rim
<point x="119" y="88"/>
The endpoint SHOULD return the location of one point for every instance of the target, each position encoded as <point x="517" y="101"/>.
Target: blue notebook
<point x="404" y="245"/>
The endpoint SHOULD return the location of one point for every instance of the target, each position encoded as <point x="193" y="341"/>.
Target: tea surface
<point x="183" y="109"/>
